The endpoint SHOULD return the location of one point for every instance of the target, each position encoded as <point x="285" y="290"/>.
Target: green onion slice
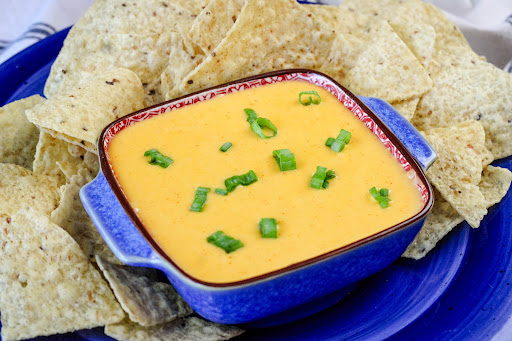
<point x="221" y="191"/>
<point x="321" y="178"/>
<point x="285" y="159"/>
<point x="318" y="178"/>
<point x="200" y="199"/>
<point x="310" y="100"/>
<point x="381" y="196"/>
<point x="225" y="147"/>
<point x="329" y="141"/>
<point x="251" y="115"/>
<point x="258" y="123"/>
<point x="268" y="228"/>
<point x="341" y="141"/>
<point x="237" y="180"/>
<point x="156" y="158"/>
<point x="328" y="176"/>
<point x="224" y="241"/>
<point x="384" y="192"/>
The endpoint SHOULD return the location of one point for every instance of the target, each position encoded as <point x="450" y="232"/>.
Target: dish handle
<point x="116" y="228"/>
<point x="403" y="129"/>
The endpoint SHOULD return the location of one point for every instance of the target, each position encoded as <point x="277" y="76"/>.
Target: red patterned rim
<point x="349" y="100"/>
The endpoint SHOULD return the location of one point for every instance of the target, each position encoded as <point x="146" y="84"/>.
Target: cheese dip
<point x="310" y="221"/>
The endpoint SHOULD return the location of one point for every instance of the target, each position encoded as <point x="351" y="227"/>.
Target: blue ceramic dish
<point x="263" y="296"/>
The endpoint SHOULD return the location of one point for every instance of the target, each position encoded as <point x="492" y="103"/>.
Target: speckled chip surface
<point x="184" y="329"/>
<point x="47" y="285"/>
<point x="146" y="301"/>
<point x="18" y="137"/>
<point x="457" y="171"/>
<point x="78" y="114"/>
<point x="72" y="217"/>
<point x="21" y="188"/>
<point x="261" y="41"/>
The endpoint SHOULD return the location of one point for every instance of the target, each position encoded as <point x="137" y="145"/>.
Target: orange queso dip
<point x="310" y="221"/>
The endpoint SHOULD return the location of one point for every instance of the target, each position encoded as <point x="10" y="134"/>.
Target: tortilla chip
<point x="399" y="12"/>
<point x="79" y="114"/>
<point x="495" y="184"/>
<point x="183" y="329"/>
<point x="184" y="57"/>
<point x="146" y="301"/>
<point x="260" y="41"/>
<point x="351" y="42"/>
<point x="47" y="284"/>
<point x="328" y="14"/>
<point x="50" y="150"/>
<point x="89" y="161"/>
<point x="132" y="35"/>
<point x="419" y="38"/>
<point x="18" y="137"/>
<point x="407" y="108"/>
<point x="388" y="69"/>
<point x="457" y="171"/>
<point x="352" y="37"/>
<point x="133" y="17"/>
<point x="72" y="217"/>
<point x="214" y="22"/>
<point x="193" y="6"/>
<point x="20" y="188"/>
<point x="146" y="55"/>
<point x="467" y="88"/>
<point x="356" y="25"/>
<point x="60" y="159"/>
<point x="343" y="55"/>
<point x="443" y="218"/>
<point x="419" y="12"/>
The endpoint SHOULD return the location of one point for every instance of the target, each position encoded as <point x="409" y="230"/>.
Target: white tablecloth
<point x="487" y="24"/>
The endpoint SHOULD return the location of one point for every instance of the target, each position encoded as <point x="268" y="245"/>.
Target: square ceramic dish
<point x="299" y="284"/>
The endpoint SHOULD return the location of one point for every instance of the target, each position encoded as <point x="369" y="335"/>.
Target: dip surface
<point x="311" y="221"/>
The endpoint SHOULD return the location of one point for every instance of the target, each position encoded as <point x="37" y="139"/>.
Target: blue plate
<point x="460" y="291"/>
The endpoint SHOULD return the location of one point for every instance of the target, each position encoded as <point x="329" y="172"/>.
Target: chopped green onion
<point x="285" y="159"/>
<point x="200" y="199"/>
<point x="156" y="158"/>
<point x="225" y="147"/>
<point x="329" y="141"/>
<point x="268" y="228"/>
<point x="258" y="123"/>
<point x="321" y="177"/>
<point x="221" y="191"/>
<point x="338" y="146"/>
<point x="341" y="141"/>
<point x="318" y="178"/>
<point x="224" y="241"/>
<point x="381" y="196"/>
<point x="374" y="193"/>
<point x="251" y="115"/>
<point x="310" y="100"/>
<point x="385" y="203"/>
<point x="237" y="180"/>
<point x="328" y="176"/>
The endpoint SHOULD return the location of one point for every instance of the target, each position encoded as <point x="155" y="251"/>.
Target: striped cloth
<point x="25" y="22"/>
<point x="487" y="24"/>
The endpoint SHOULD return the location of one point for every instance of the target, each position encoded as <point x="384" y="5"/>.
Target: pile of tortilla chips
<point x="57" y="275"/>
